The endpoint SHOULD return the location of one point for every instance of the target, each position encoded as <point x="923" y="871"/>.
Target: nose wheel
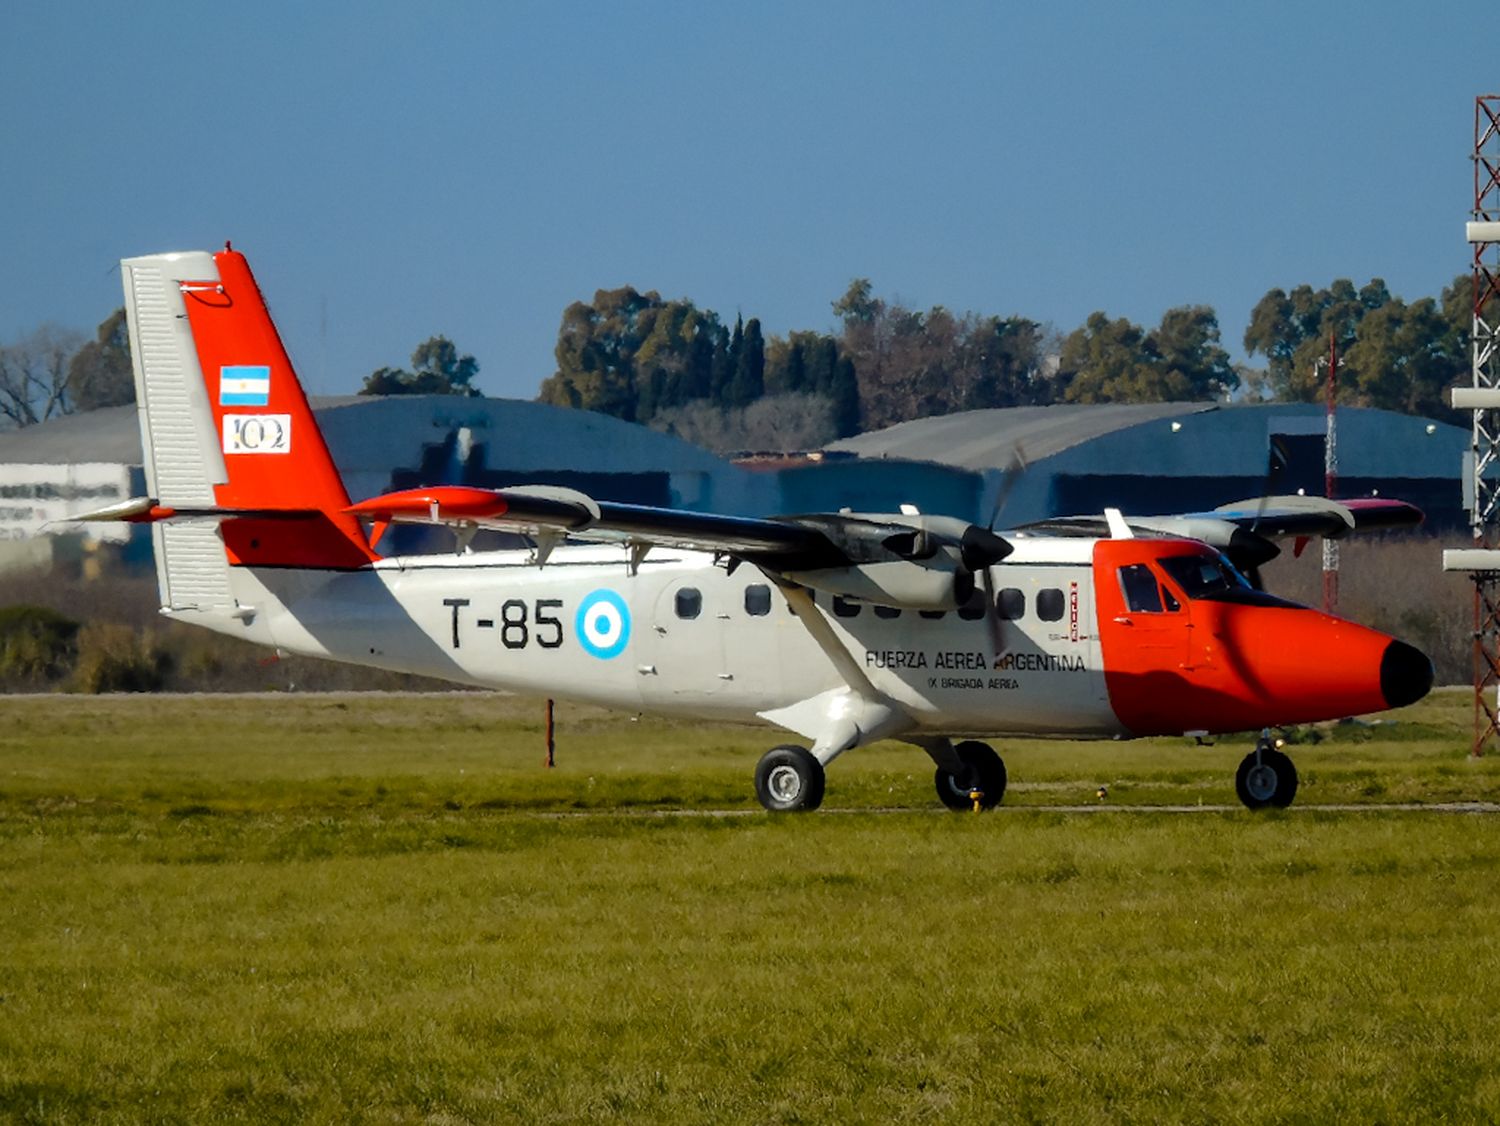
<point x="1266" y="778"/>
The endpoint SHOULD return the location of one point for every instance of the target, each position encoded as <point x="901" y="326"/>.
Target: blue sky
<point x="395" y="170"/>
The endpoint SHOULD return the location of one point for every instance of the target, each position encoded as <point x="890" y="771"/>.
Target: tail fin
<point x="225" y="428"/>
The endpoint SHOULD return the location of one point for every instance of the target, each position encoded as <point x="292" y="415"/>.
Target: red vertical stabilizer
<point x="274" y="453"/>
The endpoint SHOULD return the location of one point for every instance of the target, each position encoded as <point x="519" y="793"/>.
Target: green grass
<point x="385" y="909"/>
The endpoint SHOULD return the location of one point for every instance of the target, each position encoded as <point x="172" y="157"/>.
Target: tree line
<point x="53" y="371"/>
<point x="679" y="368"/>
<point x="676" y="367"/>
<point x="1403" y="357"/>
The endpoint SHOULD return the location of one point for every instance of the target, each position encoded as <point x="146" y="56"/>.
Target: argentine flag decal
<point x="244" y="385"/>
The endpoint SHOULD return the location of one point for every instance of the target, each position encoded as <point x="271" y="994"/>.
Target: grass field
<point x="383" y="908"/>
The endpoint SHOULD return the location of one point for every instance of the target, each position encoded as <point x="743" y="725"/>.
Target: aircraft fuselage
<point x="681" y="635"/>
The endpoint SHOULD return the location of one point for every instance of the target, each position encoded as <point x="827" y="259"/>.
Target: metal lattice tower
<point x="1483" y="398"/>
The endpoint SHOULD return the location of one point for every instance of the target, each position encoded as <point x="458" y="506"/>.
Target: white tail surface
<point x="183" y="461"/>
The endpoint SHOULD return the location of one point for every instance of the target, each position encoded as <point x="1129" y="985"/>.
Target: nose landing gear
<point x="1266" y="778"/>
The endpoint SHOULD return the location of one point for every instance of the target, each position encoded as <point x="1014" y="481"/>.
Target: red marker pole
<point x="550" y="745"/>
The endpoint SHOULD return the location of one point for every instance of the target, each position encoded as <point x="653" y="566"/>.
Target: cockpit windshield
<point x="1203" y="576"/>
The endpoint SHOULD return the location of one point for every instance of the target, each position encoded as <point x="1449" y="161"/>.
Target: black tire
<point x="1269" y="784"/>
<point x="789" y="779"/>
<point x="986" y="771"/>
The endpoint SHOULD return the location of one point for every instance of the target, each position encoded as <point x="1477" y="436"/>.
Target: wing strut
<point x="843" y="718"/>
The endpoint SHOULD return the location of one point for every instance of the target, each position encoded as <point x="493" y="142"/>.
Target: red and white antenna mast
<point x="1331" y="481"/>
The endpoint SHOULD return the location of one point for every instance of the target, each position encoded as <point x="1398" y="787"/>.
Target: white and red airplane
<point x="842" y="628"/>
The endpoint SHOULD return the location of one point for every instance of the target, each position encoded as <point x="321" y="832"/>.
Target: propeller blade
<point x="1015" y="469"/>
<point x="1277" y="459"/>
<point x="992" y="618"/>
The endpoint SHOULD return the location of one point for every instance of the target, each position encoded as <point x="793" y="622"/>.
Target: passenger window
<point x="844" y="608"/>
<point x="689" y="603"/>
<point x="1142" y="594"/>
<point x="758" y="600"/>
<point x="1010" y="604"/>
<point x="973" y="609"/>
<point x="1049" y="604"/>
<point x="886" y="612"/>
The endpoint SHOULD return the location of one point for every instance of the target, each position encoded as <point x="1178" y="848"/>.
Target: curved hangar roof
<point x="1168" y="439"/>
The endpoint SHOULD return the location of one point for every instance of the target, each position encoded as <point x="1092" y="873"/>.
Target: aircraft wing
<point x="1245" y="530"/>
<point x="543" y="511"/>
<point x="863" y="556"/>
<point x="1275" y="517"/>
<point x="906" y="560"/>
<point x="1319" y="516"/>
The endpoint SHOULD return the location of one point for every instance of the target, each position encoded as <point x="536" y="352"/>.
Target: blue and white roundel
<point x="603" y="624"/>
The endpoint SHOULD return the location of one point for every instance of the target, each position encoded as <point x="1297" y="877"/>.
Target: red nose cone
<point x="1405" y="674"/>
<point x="1308" y="666"/>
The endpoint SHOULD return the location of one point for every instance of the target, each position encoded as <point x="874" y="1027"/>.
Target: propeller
<point x="1014" y="470"/>
<point x="1277" y="460"/>
<point x="980" y="548"/>
<point x="985" y="549"/>
<point x="1249" y="551"/>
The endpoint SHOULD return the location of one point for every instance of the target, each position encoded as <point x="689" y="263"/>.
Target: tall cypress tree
<point x="750" y="367"/>
<point x="795" y="376"/>
<point x="845" y="395"/>
<point x="703" y="355"/>
<point x="726" y="364"/>
<point x="820" y="365"/>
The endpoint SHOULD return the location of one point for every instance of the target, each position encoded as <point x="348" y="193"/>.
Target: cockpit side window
<point x="1138" y="584"/>
<point x="1202" y="576"/>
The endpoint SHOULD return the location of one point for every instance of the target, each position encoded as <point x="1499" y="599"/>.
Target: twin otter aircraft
<point x="843" y="628"/>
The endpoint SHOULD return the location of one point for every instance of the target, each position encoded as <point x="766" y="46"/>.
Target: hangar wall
<point x="1143" y="458"/>
<point x="1216" y="457"/>
<point x="1153" y="458"/>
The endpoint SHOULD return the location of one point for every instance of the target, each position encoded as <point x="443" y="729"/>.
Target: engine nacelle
<point x="936" y="584"/>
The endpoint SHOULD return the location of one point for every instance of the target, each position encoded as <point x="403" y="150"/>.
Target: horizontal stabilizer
<point x="145" y="510"/>
<point x="136" y="510"/>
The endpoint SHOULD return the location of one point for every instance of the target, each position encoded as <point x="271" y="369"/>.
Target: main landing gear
<point x="981" y="782"/>
<point x="1266" y="777"/>
<point x="789" y="779"/>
